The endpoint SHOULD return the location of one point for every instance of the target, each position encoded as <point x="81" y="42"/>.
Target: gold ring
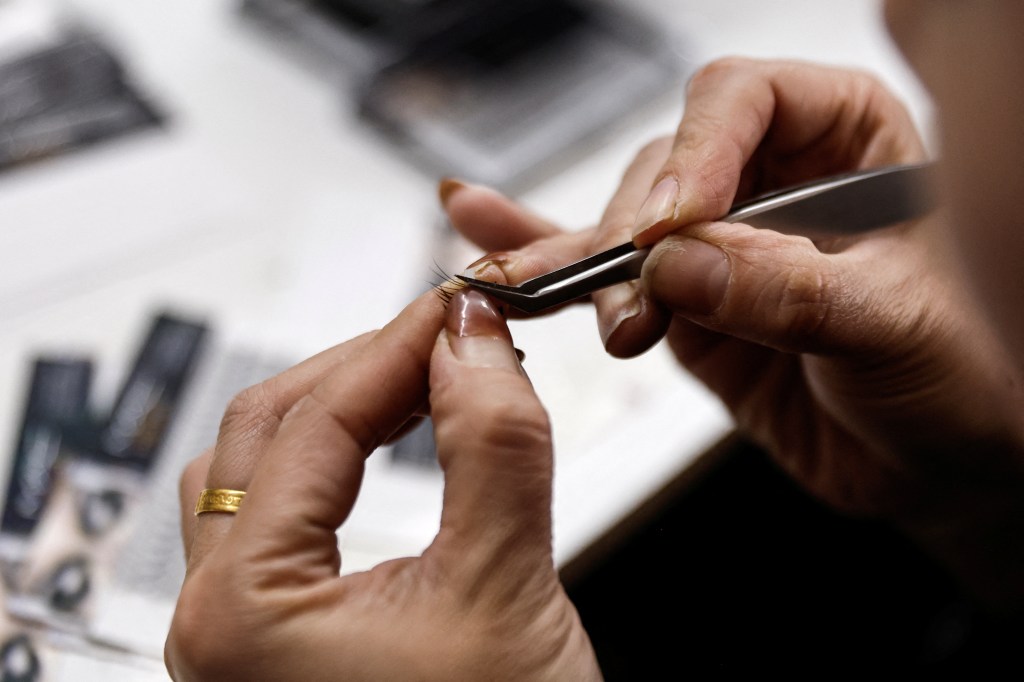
<point x="219" y="500"/>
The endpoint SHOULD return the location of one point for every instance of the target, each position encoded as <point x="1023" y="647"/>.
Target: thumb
<point x="772" y="289"/>
<point x="493" y="441"/>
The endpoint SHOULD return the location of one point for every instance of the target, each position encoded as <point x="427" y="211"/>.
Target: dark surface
<point x="743" y="571"/>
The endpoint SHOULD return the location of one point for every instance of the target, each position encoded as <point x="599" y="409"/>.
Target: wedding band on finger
<point x="219" y="500"/>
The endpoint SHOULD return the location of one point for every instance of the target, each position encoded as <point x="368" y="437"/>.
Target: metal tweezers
<point x="846" y="204"/>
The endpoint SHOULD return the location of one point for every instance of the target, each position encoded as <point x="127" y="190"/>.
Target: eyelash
<point x="448" y="285"/>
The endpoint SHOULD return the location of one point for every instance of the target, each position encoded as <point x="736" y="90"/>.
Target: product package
<point x="57" y="398"/>
<point x="99" y="480"/>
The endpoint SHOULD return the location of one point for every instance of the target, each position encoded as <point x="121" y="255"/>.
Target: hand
<point x="263" y="600"/>
<point x="859" y="363"/>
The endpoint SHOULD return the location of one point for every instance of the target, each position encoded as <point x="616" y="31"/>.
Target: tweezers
<point x="845" y="204"/>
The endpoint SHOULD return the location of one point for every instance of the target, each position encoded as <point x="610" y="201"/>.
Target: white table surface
<point x="267" y="208"/>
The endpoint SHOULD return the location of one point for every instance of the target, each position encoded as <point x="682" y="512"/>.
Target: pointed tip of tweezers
<point x="484" y="285"/>
<point x="511" y="295"/>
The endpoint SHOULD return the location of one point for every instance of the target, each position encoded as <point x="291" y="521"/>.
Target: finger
<point x="306" y="483"/>
<point x="816" y="119"/>
<point x="628" y="322"/>
<point x="249" y="423"/>
<point x="780" y="291"/>
<point x="494" y="444"/>
<point x="192" y="482"/>
<point x="489" y="219"/>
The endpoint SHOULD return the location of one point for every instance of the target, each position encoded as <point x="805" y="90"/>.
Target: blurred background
<point x="255" y="180"/>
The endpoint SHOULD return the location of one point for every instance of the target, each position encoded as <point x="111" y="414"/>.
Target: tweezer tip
<point x="469" y="281"/>
<point x="485" y="285"/>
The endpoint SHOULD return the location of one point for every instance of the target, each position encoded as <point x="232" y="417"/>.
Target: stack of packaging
<point x="66" y="94"/>
<point x="75" y="478"/>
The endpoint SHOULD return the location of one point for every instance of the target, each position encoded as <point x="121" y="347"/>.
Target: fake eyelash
<point x="448" y="286"/>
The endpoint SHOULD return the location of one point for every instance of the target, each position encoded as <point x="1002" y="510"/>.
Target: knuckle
<point x="712" y="72"/>
<point x="653" y="151"/>
<point x="354" y="425"/>
<point x="252" y="410"/>
<point x="514" y="424"/>
<point x="197" y="644"/>
<point x="805" y="299"/>
<point x="868" y="92"/>
<point x="501" y="424"/>
<point x="870" y="82"/>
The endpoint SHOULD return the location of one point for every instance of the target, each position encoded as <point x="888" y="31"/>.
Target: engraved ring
<point x="219" y="500"/>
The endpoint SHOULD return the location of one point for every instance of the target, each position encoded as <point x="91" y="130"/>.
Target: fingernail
<point x="689" y="275"/>
<point x="622" y="298"/>
<point x="489" y="268"/>
<point x="446" y="188"/>
<point x="659" y="207"/>
<point x="477" y="332"/>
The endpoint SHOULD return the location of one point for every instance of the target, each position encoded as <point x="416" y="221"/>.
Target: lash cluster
<point x="445" y="285"/>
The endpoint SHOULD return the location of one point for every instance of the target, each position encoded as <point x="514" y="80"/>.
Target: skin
<point x="881" y="372"/>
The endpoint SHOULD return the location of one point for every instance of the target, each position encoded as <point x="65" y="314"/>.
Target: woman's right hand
<point x="859" y="363"/>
